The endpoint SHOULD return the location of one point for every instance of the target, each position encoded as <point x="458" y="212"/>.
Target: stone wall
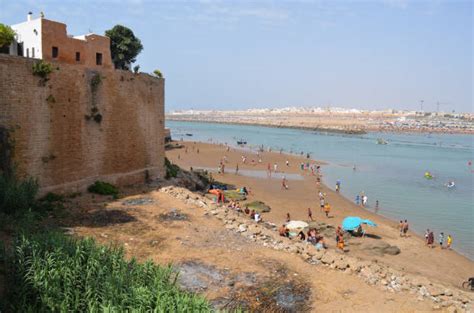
<point x="60" y="139"/>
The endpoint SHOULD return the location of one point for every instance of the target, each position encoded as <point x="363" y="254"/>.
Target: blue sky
<point x="242" y="54"/>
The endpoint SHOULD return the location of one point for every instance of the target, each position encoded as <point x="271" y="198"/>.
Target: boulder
<point x="258" y="206"/>
<point x="380" y="248"/>
<point x="328" y="258"/>
<point x="242" y="228"/>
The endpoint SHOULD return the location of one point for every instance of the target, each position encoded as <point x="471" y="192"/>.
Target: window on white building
<point x="33" y="52"/>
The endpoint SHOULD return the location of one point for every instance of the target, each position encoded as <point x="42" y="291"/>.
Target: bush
<point x="171" y="169"/>
<point x="42" y="69"/>
<point x="17" y="196"/>
<point x="103" y="188"/>
<point x="158" y="73"/>
<point x="51" y="272"/>
<point x="7" y="35"/>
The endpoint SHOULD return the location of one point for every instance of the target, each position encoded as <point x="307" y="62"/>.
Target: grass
<point x="17" y="196"/>
<point x="234" y="195"/>
<point x="51" y="272"/>
<point x="103" y="188"/>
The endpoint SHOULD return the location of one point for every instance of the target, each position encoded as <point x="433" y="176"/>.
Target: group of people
<point x="444" y="242"/>
<point x="403" y="228"/>
<point x="362" y="199"/>
<point x="312" y="236"/>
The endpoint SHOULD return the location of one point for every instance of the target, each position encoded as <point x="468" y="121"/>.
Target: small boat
<point x="450" y="185"/>
<point x="188" y="134"/>
<point x="241" y="142"/>
<point x="428" y="175"/>
<point x="381" y="141"/>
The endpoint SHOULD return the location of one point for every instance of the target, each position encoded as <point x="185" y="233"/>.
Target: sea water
<point x="393" y="173"/>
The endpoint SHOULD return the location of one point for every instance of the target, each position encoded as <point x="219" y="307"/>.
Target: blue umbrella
<point x="353" y="222"/>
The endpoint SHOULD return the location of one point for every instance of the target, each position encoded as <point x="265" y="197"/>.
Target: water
<point x="392" y="173"/>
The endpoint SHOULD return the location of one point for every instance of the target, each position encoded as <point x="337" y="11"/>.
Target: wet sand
<point x="438" y="265"/>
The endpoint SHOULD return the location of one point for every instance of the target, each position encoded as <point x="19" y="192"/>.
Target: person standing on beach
<point x="275" y="167"/>
<point x="405" y="228"/>
<point x="376" y="206"/>
<point x="321" y="203"/>
<point x="357" y="200"/>
<point x="310" y="214"/>
<point x="288" y="218"/>
<point x="287" y="163"/>
<point x="284" y="185"/>
<point x="401" y="226"/>
<point x="237" y="169"/>
<point x="327" y="209"/>
<point x="441" y="240"/>
<point x="430" y="239"/>
<point x="449" y="242"/>
<point x="427" y="234"/>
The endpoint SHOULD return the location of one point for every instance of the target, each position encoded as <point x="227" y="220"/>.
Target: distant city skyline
<point x="302" y="53"/>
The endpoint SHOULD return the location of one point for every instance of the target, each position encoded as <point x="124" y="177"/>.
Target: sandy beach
<point x="440" y="265"/>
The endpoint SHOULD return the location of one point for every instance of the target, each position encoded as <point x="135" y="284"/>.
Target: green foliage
<point x="171" y="169"/>
<point x="51" y="272"/>
<point x="7" y="35"/>
<point x="95" y="82"/>
<point x="17" y="196"/>
<point x="51" y="99"/>
<point x="124" y="46"/>
<point x="103" y="188"/>
<point x="42" y="69"/>
<point x="158" y="73"/>
<point x="136" y="69"/>
<point x="52" y="197"/>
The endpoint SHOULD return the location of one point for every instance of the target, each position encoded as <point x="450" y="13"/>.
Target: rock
<point x="341" y="264"/>
<point x="451" y="309"/>
<point x="381" y="248"/>
<point x="419" y="281"/>
<point x="318" y="254"/>
<point x="448" y="292"/>
<point x="384" y="282"/>
<point x="242" y="228"/>
<point x="423" y="291"/>
<point x="328" y="258"/>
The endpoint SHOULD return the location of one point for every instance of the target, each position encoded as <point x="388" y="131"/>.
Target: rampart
<point x="80" y="125"/>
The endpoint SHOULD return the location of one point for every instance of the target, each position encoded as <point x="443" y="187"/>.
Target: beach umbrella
<point x="353" y="222"/>
<point x="296" y="225"/>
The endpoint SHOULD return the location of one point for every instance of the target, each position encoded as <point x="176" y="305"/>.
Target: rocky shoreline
<point x="371" y="272"/>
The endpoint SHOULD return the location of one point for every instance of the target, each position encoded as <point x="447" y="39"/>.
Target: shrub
<point x="7" y="35"/>
<point x="158" y="73"/>
<point x="171" y="169"/>
<point x="51" y="272"/>
<point x="103" y="188"/>
<point x="42" y="69"/>
<point x="17" y="196"/>
<point x="136" y="69"/>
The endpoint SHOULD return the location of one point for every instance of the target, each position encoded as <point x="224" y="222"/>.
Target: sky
<point x="268" y="53"/>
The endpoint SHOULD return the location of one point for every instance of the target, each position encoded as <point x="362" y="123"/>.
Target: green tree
<point x="7" y="35"/>
<point x="124" y="46"/>
<point x="158" y="73"/>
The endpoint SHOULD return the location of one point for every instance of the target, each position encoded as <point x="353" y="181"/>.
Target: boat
<point x="188" y="134"/>
<point x="450" y="185"/>
<point x="428" y="175"/>
<point x="241" y="142"/>
<point x="381" y="141"/>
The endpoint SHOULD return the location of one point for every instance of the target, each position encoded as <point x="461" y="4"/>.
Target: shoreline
<point x="269" y="192"/>
<point x="386" y="219"/>
<point x="328" y="130"/>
